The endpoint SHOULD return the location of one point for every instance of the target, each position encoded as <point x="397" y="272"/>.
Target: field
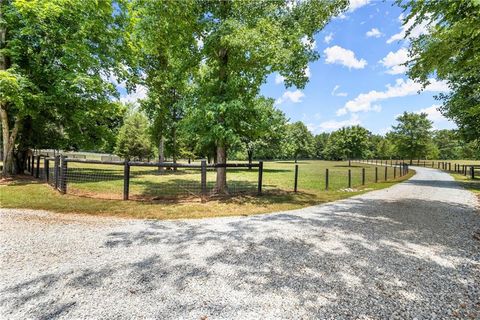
<point x="278" y="182"/>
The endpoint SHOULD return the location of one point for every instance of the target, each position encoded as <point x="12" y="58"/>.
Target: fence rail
<point x="133" y="180"/>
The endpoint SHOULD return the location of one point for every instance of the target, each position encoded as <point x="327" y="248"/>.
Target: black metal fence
<point x="156" y="181"/>
<point x="471" y="171"/>
<point x="141" y="180"/>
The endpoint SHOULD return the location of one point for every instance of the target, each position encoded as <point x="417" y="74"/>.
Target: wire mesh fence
<point x="157" y="181"/>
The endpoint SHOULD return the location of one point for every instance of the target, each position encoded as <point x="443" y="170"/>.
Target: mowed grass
<point x="278" y="182"/>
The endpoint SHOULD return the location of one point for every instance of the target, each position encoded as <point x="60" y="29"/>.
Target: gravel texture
<point x="404" y="252"/>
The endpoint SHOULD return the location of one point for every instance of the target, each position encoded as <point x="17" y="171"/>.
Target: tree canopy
<point x="55" y="61"/>
<point x="450" y="51"/>
<point x="412" y="135"/>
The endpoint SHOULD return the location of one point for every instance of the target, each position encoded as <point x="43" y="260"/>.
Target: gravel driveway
<point x="402" y="252"/>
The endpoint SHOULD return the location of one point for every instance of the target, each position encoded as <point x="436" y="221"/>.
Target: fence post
<point x="296" y="179"/>
<point x="126" y="180"/>
<point x="32" y="168"/>
<point x="449" y="166"/>
<point x="46" y="169"/>
<point x="55" y="171"/>
<point x="349" y="178"/>
<point x="376" y="174"/>
<point x="326" y="179"/>
<point x="260" y="176"/>
<point x="63" y="175"/>
<point x="349" y="162"/>
<point x="465" y="170"/>
<point x="386" y="173"/>
<point x="472" y="172"/>
<point x="37" y="172"/>
<point x="394" y="172"/>
<point x="363" y="176"/>
<point x="204" y="178"/>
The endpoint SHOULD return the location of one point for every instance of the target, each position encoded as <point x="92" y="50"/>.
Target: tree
<point x="244" y="42"/>
<point x="298" y="141"/>
<point x="450" y="50"/>
<point x="412" y="135"/>
<point x="348" y="143"/>
<point x="55" y="61"/>
<point x="448" y="144"/>
<point x="268" y="129"/>
<point x="320" y="144"/>
<point x="166" y="63"/>
<point x="133" y="141"/>
<point x="383" y="147"/>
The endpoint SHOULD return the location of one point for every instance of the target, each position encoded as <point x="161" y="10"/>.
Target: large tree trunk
<point x="8" y="142"/>
<point x="161" y="152"/>
<point x="221" y="183"/>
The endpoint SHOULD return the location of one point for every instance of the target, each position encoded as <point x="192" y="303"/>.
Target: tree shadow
<point x="358" y="257"/>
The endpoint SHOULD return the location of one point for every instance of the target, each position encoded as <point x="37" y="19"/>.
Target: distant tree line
<point x="411" y="138"/>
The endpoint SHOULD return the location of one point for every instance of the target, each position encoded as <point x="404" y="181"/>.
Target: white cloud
<point x="279" y="79"/>
<point x="338" y="94"/>
<point x="434" y="115"/>
<point x="344" y="57"/>
<point x="328" y="38"/>
<point x="312" y="44"/>
<point x="133" y="97"/>
<point x="355" y="4"/>
<point x="393" y="61"/>
<point x="364" y="101"/>
<point x="332" y="125"/>
<point x="374" y="33"/>
<point x="307" y="72"/>
<point x="292" y="96"/>
<point x="416" y="31"/>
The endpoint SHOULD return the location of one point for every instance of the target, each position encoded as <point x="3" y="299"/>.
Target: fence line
<point x="123" y="179"/>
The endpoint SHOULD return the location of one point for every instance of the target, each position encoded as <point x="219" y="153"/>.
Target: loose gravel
<point x="405" y="252"/>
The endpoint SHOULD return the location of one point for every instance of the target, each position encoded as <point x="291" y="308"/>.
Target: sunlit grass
<point x="278" y="192"/>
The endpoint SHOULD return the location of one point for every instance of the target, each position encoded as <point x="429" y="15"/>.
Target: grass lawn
<point x="85" y="196"/>
<point x="467" y="183"/>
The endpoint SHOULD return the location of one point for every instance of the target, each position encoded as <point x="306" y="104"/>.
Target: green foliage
<point x="58" y="56"/>
<point x="321" y="141"/>
<point x="412" y="135"/>
<point x="264" y="136"/>
<point x="348" y="143"/>
<point x="450" y="51"/>
<point x="133" y="141"/>
<point x="298" y="141"/>
<point x="244" y="42"/>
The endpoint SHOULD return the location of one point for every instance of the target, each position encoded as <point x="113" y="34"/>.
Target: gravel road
<point x="400" y="253"/>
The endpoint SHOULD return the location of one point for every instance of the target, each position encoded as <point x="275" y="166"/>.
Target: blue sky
<point x="358" y="78"/>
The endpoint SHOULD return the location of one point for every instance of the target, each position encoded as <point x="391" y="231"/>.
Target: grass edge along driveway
<point x="28" y="194"/>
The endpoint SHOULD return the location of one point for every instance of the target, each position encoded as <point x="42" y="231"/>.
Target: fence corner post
<point x="363" y="176"/>
<point x="376" y="174"/>
<point x="63" y="174"/>
<point x="126" y="180"/>
<point x="260" y="176"/>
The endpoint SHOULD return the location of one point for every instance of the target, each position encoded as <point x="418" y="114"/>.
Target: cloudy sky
<point x="358" y="78"/>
